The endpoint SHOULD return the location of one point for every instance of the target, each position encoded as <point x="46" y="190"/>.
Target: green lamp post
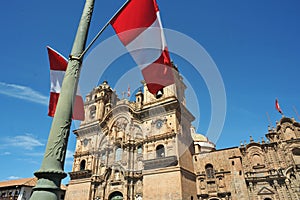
<point x="52" y="170"/>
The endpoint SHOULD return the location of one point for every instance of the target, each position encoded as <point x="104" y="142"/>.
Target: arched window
<point x="197" y="148"/>
<point x="296" y="155"/>
<point x="256" y="159"/>
<point x="82" y="165"/>
<point x="160" y="151"/>
<point x="209" y="169"/>
<point x="267" y="199"/>
<point x="119" y="152"/>
<point x="93" y="112"/>
<point x="117" y="175"/>
<point x="115" y="196"/>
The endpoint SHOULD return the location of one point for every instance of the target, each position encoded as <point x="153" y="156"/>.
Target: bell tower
<point x="138" y="149"/>
<point x="168" y="146"/>
<point x="175" y="91"/>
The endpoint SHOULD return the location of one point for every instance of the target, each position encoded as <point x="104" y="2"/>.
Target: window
<point x="117" y="175"/>
<point x="115" y="196"/>
<point x="103" y="156"/>
<point x="296" y="155"/>
<point x="93" y="112"/>
<point x="82" y="165"/>
<point x="140" y="149"/>
<point x="160" y="151"/>
<point x="256" y="159"/>
<point x="209" y="169"/>
<point x="119" y="152"/>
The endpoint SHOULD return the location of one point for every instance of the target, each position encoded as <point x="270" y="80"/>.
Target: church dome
<point x="199" y="137"/>
<point x="201" y="143"/>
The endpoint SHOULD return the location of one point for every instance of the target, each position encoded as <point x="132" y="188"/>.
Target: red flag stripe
<point x="78" y="112"/>
<point x="52" y="103"/>
<point x="158" y="75"/>
<point x="136" y="15"/>
<point x="56" y="60"/>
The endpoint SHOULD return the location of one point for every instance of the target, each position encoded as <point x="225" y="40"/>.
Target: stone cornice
<point x="80" y="174"/>
<point x="87" y="129"/>
<point x="154" y="138"/>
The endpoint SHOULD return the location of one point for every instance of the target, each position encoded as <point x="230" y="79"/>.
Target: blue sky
<point x="255" y="45"/>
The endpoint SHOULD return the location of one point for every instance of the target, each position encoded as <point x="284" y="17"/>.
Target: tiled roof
<point x="19" y="182"/>
<point x="30" y="182"/>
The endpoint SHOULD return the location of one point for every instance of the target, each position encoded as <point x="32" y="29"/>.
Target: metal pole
<point x="103" y="28"/>
<point x="52" y="170"/>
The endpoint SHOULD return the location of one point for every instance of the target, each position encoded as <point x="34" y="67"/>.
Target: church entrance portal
<point x="116" y="196"/>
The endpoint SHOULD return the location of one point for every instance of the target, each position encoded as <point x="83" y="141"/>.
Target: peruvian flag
<point x="128" y="91"/>
<point x="139" y="28"/>
<point x="58" y="66"/>
<point x="278" y="107"/>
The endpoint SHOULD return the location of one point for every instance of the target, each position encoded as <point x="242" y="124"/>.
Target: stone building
<point x="265" y="170"/>
<point x="21" y="189"/>
<point x="17" y="189"/>
<point x="147" y="149"/>
<point x="134" y="150"/>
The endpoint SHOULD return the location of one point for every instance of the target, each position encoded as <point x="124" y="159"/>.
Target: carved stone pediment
<point x="265" y="191"/>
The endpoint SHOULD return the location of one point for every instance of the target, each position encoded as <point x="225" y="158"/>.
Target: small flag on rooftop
<point x="278" y="107"/>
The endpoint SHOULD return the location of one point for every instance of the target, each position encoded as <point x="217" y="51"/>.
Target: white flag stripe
<point x="147" y="47"/>
<point x="56" y="78"/>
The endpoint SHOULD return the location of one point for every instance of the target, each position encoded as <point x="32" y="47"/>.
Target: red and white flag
<point x="139" y="28"/>
<point x="278" y="107"/>
<point x="128" y="91"/>
<point x="58" y="66"/>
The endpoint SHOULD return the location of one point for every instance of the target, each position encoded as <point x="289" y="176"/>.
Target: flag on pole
<point x="58" y="66"/>
<point x="128" y="91"/>
<point x="139" y="28"/>
<point x="278" y="107"/>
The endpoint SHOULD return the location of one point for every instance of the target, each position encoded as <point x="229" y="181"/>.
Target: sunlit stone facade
<point x="264" y="170"/>
<point x="147" y="149"/>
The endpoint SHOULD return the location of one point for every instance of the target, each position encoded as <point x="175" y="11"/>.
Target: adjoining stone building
<point x="21" y="189"/>
<point x="147" y="149"/>
<point x="265" y="170"/>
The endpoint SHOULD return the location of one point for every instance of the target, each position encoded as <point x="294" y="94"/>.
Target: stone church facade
<point x="147" y="149"/>
<point x="265" y="170"/>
